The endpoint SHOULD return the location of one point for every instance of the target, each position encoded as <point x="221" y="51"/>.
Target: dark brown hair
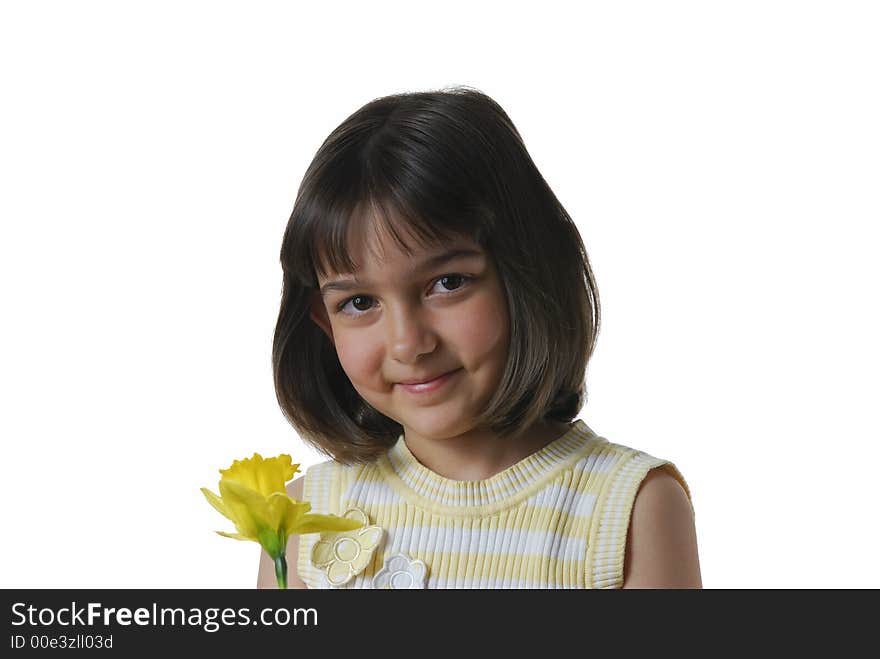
<point x="449" y="163"/>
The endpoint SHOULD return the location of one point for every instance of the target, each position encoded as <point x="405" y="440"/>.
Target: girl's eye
<point x="362" y="303"/>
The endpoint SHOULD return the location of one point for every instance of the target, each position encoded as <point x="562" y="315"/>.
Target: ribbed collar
<point x="417" y="483"/>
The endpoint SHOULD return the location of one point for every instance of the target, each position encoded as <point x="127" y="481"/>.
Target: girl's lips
<point x="431" y="385"/>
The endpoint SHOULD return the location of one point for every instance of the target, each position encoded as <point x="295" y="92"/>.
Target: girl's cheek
<point x="486" y="328"/>
<point x="357" y="356"/>
<point x="484" y="334"/>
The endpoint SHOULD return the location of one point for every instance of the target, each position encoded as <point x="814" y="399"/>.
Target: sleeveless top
<point x="556" y="519"/>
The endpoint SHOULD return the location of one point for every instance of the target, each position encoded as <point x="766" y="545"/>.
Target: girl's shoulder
<point x="334" y="468"/>
<point x="642" y="501"/>
<point x="323" y="481"/>
<point x="626" y="467"/>
<point x="661" y="544"/>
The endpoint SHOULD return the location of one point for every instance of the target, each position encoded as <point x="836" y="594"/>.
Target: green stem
<point x="281" y="571"/>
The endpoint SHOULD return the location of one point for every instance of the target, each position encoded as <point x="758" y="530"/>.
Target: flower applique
<point x="343" y="555"/>
<point x="400" y="572"/>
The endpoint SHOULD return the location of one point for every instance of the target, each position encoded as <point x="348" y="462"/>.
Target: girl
<point x="437" y="316"/>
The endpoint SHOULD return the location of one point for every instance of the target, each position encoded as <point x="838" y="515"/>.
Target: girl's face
<point x="439" y="312"/>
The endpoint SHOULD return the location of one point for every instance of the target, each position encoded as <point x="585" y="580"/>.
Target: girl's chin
<point x="435" y="426"/>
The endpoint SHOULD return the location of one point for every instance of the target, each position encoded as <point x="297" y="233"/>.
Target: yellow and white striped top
<point x="556" y="519"/>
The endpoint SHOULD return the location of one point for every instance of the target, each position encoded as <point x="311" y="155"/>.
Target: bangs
<point x="325" y="230"/>
<point x="331" y="242"/>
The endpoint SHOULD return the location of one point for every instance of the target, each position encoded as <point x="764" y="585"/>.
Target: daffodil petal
<point x="277" y="504"/>
<point x="245" y="471"/>
<point x="241" y="471"/>
<point x="235" y="536"/>
<point x="247" y="508"/>
<point x="284" y="512"/>
<point x="262" y="475"/>
<point x="295" y="513"/>
<point x="216" y="501"/>
<point x="274" y="474"/>
<point x="314" y="523"/>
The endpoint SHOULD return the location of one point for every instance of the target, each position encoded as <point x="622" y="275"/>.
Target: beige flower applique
<point x="342" y="555"/>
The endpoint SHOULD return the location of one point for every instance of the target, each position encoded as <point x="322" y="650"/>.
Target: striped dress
<point x="556" y="519"/>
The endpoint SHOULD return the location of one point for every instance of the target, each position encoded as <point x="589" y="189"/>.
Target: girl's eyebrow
<point x="427" y="264"/>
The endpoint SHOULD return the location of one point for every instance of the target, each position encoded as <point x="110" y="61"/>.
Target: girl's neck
<point x="477" y="456"/>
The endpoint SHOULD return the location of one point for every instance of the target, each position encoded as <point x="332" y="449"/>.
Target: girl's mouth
<point x="430" y="385"/>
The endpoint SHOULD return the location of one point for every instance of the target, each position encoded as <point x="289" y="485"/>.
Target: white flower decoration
<point x="401" y="573"/>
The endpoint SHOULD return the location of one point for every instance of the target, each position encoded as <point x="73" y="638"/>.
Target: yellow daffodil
<point x="253" y="496"/>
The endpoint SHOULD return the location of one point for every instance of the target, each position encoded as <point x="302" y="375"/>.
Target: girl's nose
<point x="410" y="335"/>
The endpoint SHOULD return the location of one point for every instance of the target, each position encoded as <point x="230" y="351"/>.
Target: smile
<point x="430" y="385"/>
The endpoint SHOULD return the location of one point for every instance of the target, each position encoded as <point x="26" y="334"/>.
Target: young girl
<point x="437" y="317"/>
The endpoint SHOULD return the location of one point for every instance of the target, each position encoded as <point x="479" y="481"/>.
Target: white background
<point x="722" y="160"/>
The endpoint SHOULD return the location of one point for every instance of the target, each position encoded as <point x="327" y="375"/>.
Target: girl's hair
<point x="434" y="165"/>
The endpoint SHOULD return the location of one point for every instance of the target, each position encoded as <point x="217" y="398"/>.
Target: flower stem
<point x="281" y="571"/>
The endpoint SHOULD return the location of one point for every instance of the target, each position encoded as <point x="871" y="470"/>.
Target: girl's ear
<point x="318" y="314"/>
